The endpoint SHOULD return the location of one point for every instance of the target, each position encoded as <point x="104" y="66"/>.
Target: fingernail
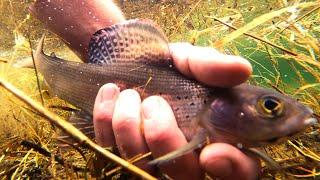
<point x="108" y="92"/>
<point x="241" y="60"/>
<point x="150" y="107"/>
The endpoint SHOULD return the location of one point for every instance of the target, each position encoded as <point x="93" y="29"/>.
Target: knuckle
<point x="102" y="114"/>
<point x="159" y="135"/>
<point x="124" y="123"/>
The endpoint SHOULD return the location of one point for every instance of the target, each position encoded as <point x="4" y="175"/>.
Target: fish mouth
<point x="276" y="140"/>
<point x="310" y="121"/>
<point x="307" y="122"/>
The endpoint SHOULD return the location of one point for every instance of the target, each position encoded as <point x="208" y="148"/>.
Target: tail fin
<point x="27" y="62"/>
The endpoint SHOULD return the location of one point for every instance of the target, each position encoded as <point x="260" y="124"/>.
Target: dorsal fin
<point x="134" y="40"/>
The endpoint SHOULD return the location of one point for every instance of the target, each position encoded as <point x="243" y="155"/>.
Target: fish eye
<point x="271" y="106"/>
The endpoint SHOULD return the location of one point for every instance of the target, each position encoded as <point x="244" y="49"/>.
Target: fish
<point x="135" y="54"/>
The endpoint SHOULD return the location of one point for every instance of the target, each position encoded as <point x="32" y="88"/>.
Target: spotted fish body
<point x="146" y="67"/>
<point x="135" y="55"/>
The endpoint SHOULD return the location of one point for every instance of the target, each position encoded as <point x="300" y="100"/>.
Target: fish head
<point x="253" y="116"/>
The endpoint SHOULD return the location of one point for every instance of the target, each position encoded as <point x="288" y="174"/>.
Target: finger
<point x="227" y="162"/>
<point x="126" y="125"/>
<point x="209" y="66"/>
<point x="163" y="136"/>
<point x="102" y="114"/>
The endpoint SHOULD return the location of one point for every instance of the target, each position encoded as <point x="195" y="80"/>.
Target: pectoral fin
<point x="82" y="121"/>
<point x="271" y="163"/>
<point x="197" y="142"/>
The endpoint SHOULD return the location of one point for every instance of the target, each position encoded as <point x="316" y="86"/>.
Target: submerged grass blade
<point x="258" y="21"/>
<point x="301" y="17"/>
<point x="311" y="155"/>
<point x="307" y="87"/>
<point x="74" y="132"/>
<point x="218" y="43"/>
<point x="23" y="161"/>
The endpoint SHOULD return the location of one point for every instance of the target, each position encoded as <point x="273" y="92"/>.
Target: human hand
<point x="75" y="21"/>
<point x="118" y="118"/>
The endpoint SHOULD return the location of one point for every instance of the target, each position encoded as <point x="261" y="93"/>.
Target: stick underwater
<point x="73" y="131"/>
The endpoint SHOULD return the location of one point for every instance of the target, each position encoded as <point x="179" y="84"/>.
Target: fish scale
<point x="135" y="54"/>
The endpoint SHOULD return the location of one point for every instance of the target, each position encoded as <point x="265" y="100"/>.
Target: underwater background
<point x="280" y="38"/>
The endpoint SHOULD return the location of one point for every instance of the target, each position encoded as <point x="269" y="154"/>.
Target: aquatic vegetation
<point x="283" y="49"/>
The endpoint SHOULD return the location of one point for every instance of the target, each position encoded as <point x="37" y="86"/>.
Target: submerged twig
<point x="3" y="61"/>
<point x="277" y="89"/>
<point x="64" y="108"/>
<point x="73" y="131"/>
<point x="308" y="154"/>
